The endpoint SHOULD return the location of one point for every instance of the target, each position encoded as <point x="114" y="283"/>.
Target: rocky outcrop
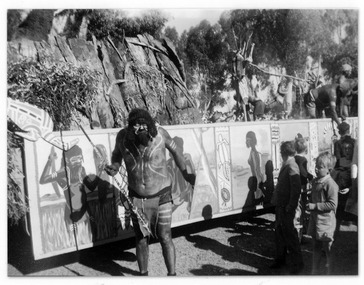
<point x="138" y="72"/>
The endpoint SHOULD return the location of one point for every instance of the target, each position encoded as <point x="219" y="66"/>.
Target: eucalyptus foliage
<point x="283" y="38"/>
<point x="117" y="24"/>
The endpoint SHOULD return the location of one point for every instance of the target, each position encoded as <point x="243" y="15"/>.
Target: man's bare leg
<point x="165" y="237"/>
<point x="142" y="253"/>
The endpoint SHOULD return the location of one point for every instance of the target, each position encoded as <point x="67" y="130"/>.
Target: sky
<point x="183" y="19"/>
<point x="183" y="14"/>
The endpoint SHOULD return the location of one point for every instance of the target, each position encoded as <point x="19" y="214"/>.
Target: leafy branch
<point x="58" y="88"/>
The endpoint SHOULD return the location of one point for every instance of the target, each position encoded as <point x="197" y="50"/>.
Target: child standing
<point x="285" y="198"/>
<point x="300" y="145"/>
<point x="322" y="207"/>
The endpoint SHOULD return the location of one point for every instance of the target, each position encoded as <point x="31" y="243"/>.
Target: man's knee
<point x="165" y="235"/>
<point x="141" y="242"/>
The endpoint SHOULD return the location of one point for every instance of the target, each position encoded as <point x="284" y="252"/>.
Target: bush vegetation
<point x="61" y="89"/>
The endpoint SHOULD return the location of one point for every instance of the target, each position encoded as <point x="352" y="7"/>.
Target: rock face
<point x="138" y="72"/>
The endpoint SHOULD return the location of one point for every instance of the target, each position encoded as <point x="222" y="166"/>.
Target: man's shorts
<point x="150" y="208"/>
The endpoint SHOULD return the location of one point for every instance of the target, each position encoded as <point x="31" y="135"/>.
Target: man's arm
<point x="177" y="156"/>
<point x="116" y="156"/>
<point x="334" y="115"/>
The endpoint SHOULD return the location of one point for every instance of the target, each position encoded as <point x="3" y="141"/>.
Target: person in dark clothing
<point x="335" y="100"/>
<point x="301" y="150"/>
<point x="322" y="100"/>
<point x="340" y="146"/>
<point x="258" y="108"/>
<point x="285" y="199"/>
<point x="343" y="151"/>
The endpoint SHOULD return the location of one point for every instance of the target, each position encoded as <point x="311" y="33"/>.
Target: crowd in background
<point x="325" y="200"/>
<point x="296" y="99"/>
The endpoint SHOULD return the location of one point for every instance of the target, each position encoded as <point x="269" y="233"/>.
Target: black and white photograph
<point x="182" y="140"/>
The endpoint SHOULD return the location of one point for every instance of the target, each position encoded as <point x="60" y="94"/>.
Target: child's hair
<point x="300" y="145"/>
<point x="287" y="148"/>
<point x="326" y="159"/>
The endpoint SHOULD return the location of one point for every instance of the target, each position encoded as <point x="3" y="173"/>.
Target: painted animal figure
<point x="35" y="123"/>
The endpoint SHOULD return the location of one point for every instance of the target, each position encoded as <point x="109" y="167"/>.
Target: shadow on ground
<point x="100" y="258"/>
<point x="250" y="243"/>
<point x="254" y="247"/>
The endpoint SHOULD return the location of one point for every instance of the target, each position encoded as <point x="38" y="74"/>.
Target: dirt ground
<point x="239" y="246"/>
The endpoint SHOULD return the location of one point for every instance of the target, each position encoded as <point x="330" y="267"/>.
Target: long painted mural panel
<point x="74" y="204"/>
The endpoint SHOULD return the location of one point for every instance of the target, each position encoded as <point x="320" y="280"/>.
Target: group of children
<point x="323" y="205"/>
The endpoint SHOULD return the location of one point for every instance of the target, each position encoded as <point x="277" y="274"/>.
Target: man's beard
<point x="142" y="138"/>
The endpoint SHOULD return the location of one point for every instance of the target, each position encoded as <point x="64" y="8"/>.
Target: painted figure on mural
<point x="254" y="162"/>
<point x="100" y="183"/>
<point x="100" y="180"/>
<point x="71" y="177"/>
<point x="182" y="191"/>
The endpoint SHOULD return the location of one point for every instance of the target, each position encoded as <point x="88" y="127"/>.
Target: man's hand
<point x="189" y="177"/>
<point x="112" y="169"/>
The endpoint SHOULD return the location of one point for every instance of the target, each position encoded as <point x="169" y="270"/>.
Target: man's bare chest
<point x="145" y="158"/>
